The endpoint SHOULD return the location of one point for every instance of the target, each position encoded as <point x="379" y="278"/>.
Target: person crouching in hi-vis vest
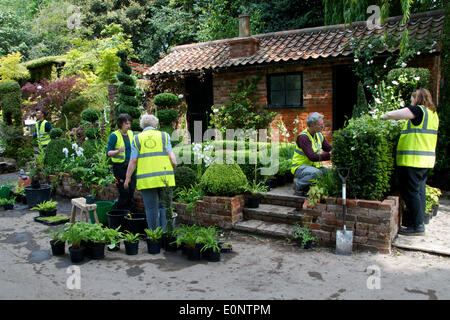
<point x="308" y="154"/>
<point x="416" y="154"/>
<point x="43" y="128"/>
<point x="151" y="153"/>
<point x="119" y="149"/>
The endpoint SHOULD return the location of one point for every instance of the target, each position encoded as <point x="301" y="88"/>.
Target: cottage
<point x="303" y="70"/>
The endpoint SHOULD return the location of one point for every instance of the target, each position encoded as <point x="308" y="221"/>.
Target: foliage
<point x="4" y="201"/>
<point x="15" y="35"/>
<point x="56" y="235"/>
<point x="328" y="184"/>
<point x="184" y="177"/>
<point x="46" y="206"/>
<point x="209" y="239"/>
<point x="54" y="152"/>
<point x="242" y="111"/>
<point x="165" y="100"/>
<point x="304" y="234"/>
<point x="11" y="103"/>
<point x="72" y="110"/>
<point x="223" y="180"/>
<point x="361" y="107"/>
<point x="316" y="194"/>
<point x="42" y="68"/>
<point x="432" y="198"/>
<point x="55" y="133"/>
<point x="154" y="235"/>
<point x="11" y="69"/>
<point x="15" y="144"/>
<point x="256" y="188"/>
<point x="189" y="195"/>
<point x="409" y="79"/>
<point x="130" y="237"/>
<point x="90" y="115"/>
<point x="366" y="146"/>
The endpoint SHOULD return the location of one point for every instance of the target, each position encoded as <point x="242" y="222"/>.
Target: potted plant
<point x="19" y="192"/>
<point x="74" y="234"/>
<point x="57" y="242"/>
<point x="271" y="182"/>
<point x="136" y="222"/>
<point x="210" y="249"/>
<point x="113" y="238"/>
<point x="303" y="236"/>
<point x="191" y="239"/>
<point x="131" y="241"/>
<point x="154" y="240"/>
<point x="253" y="193"/>
<point x="97" y="239"/>
<point x="432" y="202"/>
<point x="8" y="204"/>
<point x="46" y="208"/>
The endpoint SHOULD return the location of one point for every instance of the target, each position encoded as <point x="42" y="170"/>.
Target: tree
<point x="361" y="107"/>
<point x="14" y="34"/>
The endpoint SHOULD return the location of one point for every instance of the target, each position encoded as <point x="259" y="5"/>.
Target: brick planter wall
<point x="374" y="223"/>
<point x="221" y="211"/>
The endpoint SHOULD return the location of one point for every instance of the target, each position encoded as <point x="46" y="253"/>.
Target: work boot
<point x="412" y="231"/>
<point x="302" y="192"/>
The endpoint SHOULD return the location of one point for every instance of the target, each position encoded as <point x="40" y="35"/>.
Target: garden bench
<point x="85" y="208"/>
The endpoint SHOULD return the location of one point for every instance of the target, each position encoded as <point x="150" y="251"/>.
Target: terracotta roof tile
<point x="291" y="45"/>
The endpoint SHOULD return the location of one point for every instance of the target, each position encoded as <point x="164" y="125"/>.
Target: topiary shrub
<point x="366" y="146"/>
<point x="89" y="148"/>
<point x="92" y="133"/>
<point x="55" y="133"/>
<point x="11" y="103"/>
<point x="165" y="100"/>
<point x="90" y="115"/>
<point x="72" y="110"/>
<point x="361" y="107"/>
<point x="407" y="83"/>
<point x="167" y="116"/>
<point x="184" y="177"/>
<point x="54" y="154"/>
<point x="223" y="180"/>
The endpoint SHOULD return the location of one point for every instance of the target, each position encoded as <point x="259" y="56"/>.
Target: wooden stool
<point x="85" y="208"/>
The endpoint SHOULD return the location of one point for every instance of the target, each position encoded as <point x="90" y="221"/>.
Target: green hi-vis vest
<point x="120" y="157"/>
<point x="154" y="169"/>
<point x="42" y="136"/>
<point x="417" y="144"/>
<point x="300" y="159"/>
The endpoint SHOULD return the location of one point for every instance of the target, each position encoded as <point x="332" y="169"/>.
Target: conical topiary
<point x="127" y="101"/>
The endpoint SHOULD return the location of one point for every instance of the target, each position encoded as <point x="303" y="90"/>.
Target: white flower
<point x="404" y="65"/>
<point x="368" y="62"/>
<point x="356" y="60"/>
<point x="377" y="100"/>
<point x="402" y="103"/>
<point x="74" y="146"/>
<point x="376" y="87"/>
<point x="371" y="61"/>
<point x="395" y="83"/>
<point x="215" y="110"/>
<point x="288" y="135"/>
<point x="417" y="78"/>
<point x="418" y="53"/>
<point x="385" y="66"/>
<point x="180" y="96"/>
<point x="39" y="87"/>
<point x="66" y="152"/>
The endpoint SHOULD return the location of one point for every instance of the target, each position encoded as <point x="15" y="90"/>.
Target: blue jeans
<point x="155" y="208"/>
<point x="305" y="174"/>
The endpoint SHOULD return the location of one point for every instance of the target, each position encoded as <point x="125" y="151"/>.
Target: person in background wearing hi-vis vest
<point x="43" y="128"/>
<point x="151" y="153"/>
<point x="416" y="154"/>
<point x="308" y="154"/>
<point x="119" y="149"/>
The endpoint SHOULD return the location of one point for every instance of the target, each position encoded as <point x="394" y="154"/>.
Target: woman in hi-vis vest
<point x="119" y="149"/>
<point x="416" y="154"/>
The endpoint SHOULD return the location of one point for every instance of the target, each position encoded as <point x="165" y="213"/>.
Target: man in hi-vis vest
<point x="416" y="154"/>
<point x="151" y="153"/>
<point x="308" y="154"/>
<point x="43" y="128"/>
<point x="119" y="149"/>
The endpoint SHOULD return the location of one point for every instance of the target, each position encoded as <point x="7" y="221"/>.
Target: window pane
<point x="293" y="98"/>
<point x="293" y="82"/>
<point x="277" y="83"/>
<point x="277" y="98"/>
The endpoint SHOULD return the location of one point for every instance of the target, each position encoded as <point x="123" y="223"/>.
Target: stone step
<point x="271" y="229"/>
<point x="283" y="196"/>
<point x="273" y="213"/>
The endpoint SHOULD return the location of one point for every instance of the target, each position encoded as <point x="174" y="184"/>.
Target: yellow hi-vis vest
<point x="154" y="169"/>
<point x="42" y="136"/>
<point x="417" y="144"/>
<point x="300" y="159"/>
<point x="120" y="157"/>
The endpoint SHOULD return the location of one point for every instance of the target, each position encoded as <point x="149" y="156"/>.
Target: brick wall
<point x="374" y="223"/>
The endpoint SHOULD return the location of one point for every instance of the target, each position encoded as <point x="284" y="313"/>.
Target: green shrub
<point x="407" y="85"/>
<point x="72" y="110"/>
<point x="223" y="180"/>
<point x="167" y="116"/>
<point x="55" y="133"/>
<point x="133" y="112"/>
<point x="89" y="147"/>
<point x="90" y="115"/>
<point x="165" y="100"/>
<point x="367" y="147"/>
<point x="136" y="125"/>
<point x="168" y="129"/>
<point x="361" y="107"/>
<point x="54" y="154"/>
<point x="184" y="177"/>
<point x="11" y="103"/>
<point x="92" y="133"/>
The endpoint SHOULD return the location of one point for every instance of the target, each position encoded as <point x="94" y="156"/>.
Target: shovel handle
<point x="343" y="173"/>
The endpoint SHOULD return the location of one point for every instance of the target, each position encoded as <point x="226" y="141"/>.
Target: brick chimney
<point x="244" y="45"/>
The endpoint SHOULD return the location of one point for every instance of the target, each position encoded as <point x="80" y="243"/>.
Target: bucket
<point x="103" y="207"/>
<point x="116" y="218"/>
<point x="36" y="196"/>
<point x="137" y="224"/>
<point x="4" y="192"/>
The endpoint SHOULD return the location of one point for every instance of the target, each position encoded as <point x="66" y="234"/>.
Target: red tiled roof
<point x="292" y="45"/>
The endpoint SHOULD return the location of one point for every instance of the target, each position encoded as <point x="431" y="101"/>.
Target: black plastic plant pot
<point x="183" y="248"/>
<point x="131" y="248"/>
<point x="76" y="254"/>
<point x="252" y="200"/>
<point x="212" y="255"/>
<point x="8" y="206"/>
<point x="116" y="218"/>
<point x="271" y="183"/>
<point x="435" y="210"/>
<point x="116" y="248"/>
<point x="169" y="246"/>
<point x="193" y="254"/>
<point x="288" y="177"/>
<point x="98" y="251"/>
<point x="39" y="195"/>
<point x="136" y="224"/>
<point x="87" y="245"/>
<point x="47" y="213"/>
<point x="308" y="244"/>
<point x="280" y="180"/>
<point x="426" y="218"/>
<point x="153" y="247"/>
<point x="58" y="247"/>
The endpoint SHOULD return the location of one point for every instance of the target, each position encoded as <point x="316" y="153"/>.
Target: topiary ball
<point x="90" y="115"/>
<point x="92" y="133"/>
<point x="184" y="177"/>
<point x="167" y="116"/>
<point x="223" y="180"/>
<point x="55" y="133"/>
<point x="165" y="100"/>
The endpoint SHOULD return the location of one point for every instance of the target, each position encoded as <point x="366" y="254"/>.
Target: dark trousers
<point x="412" y="190"/>
<point x="125" y="196"/>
